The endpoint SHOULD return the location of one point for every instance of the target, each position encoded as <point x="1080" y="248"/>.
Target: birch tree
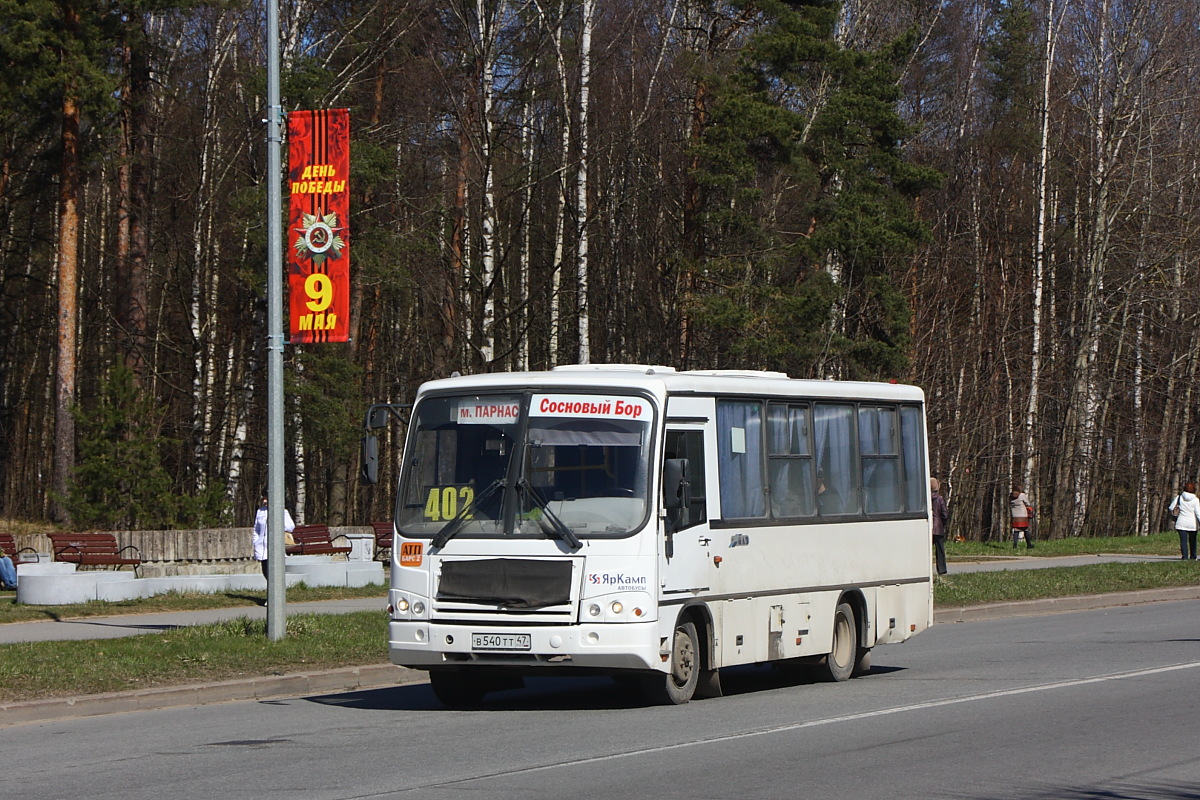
<point x="1050" y="36"/>
<point x="581" y="183"/>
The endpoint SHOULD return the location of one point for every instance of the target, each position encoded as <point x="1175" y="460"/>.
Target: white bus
<point x="642" y="522"/>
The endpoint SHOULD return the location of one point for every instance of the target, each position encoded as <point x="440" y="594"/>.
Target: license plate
<point x="500" y="641"/>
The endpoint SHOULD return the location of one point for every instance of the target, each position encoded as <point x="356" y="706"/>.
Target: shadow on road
<point x="577" y="693"/>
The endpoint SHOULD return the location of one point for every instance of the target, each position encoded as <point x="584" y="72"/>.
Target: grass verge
<point x="1160" y="544"/>
<point x="200" y="654"/>
<point x="977" y="588"/>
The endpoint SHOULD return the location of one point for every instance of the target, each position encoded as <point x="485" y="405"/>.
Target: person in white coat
<point x="260" y="532"/>
<point x="1186" y="510"/>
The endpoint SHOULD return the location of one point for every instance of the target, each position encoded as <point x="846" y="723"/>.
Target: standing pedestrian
<point x="1186" y="510"/>
<point x="260" y="532"/>
<point x="1021" y="512"/>
<point x="941" y="516"/>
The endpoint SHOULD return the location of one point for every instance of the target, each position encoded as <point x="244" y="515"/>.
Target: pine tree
<point x="120" y="482"/>
<point x="802" y="166"/>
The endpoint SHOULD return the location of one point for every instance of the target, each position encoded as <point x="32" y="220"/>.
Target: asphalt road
<point x="1086" y="705"/>
<point x="269" y="687"/>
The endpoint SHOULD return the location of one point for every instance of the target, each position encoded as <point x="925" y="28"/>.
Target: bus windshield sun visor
<point x="452" y="527"/>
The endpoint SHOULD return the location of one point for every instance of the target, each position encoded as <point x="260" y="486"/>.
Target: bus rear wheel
<point x="843" y="657"/>
<point x="458" y="689"/>
<point x="679" y="684"/>
<point x="863" y="665"/>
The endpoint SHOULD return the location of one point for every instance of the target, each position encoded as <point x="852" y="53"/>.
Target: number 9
<point x="320" y="288"/>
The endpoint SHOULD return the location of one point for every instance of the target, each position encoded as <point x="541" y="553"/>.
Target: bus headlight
<point x="619" y="607"/>
<point x="404" y="606"/>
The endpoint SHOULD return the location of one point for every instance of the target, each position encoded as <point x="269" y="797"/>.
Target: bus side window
<point x="790" y="462"/>
<point x="911" y="438"/>
<point x="689" y="445"/>
<point x="837" y="473"/>
<point x="879" y="445"/>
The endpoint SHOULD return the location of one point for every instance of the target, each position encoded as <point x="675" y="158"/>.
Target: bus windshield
<point x="552" y="465"/>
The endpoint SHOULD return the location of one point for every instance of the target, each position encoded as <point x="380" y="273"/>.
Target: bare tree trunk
<point x="446" y="292"/>
<point x="1169" y="463"/>
<point x="693" y="232"/>
<point x="521" y="313"/>
<point x="297" y="446"/>
<point x="135" y="202"/>
<point x="205" y="252"/>
<point x="1118" y="88"/>
<point x="68" y="263"/>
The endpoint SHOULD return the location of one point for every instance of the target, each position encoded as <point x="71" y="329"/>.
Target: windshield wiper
<point x="557" y="526"/>
<point x="451" y="528"/>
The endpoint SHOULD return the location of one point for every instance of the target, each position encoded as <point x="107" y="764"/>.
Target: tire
<point x="458" y="689"/>
<point x="677" y="686"/>
<point x="863" y="665"/>
<point x="843" y="657"/>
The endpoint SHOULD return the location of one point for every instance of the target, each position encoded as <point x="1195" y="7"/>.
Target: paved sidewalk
<point x="133" y="624"/>
<point x="385" y="675"/>
<point x="1021" y="559"/>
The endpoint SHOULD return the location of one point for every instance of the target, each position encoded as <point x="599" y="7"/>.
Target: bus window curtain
<point x="836" y="479"/>
<point x="740" y="459"/>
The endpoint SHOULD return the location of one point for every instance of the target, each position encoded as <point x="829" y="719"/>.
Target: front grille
<point x="506" y="583"/>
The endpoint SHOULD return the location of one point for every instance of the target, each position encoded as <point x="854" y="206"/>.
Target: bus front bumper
<point x="424" y="644"/>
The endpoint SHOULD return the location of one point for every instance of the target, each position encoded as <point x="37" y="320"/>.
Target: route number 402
<point x="444" y="502"/>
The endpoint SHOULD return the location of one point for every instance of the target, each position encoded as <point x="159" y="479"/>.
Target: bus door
<point x="685" y="541"/>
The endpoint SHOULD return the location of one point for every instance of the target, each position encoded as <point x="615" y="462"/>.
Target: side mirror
<point x="677" y="489"/>
<point x="370" y="459"/>
<point x="378" y="417"/>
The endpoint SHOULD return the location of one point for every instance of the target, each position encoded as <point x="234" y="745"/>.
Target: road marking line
<point x="812" y="723"/>
<point x="883" y="712"/>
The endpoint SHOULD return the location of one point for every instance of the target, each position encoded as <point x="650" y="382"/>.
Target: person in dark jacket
<point x="941" y="516"/>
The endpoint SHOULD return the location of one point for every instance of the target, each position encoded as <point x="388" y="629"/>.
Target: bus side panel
<point x="901" y="611"/>
<point x="754" y="630"/>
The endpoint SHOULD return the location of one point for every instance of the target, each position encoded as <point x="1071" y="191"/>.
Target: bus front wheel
<point x="842" y="659"/>
<point x="679" y="684"/>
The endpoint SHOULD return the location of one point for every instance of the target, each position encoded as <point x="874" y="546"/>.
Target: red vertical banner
<point x="318" y="231"/>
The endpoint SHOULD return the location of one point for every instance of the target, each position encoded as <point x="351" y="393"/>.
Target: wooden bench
<point x="95" y="549"/>
<point x="313" y="540"/>
<point x="383" y="539"/>
<point x="9" y="545"/>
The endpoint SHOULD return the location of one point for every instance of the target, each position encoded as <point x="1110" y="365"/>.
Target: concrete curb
<point x="333" y="681"/>
<point x="380" y="676"/>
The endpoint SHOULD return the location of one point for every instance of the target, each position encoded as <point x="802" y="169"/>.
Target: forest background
<point x="993" y="199"/>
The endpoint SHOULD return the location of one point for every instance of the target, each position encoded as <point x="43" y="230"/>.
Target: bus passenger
<point x="828" y="499"/>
